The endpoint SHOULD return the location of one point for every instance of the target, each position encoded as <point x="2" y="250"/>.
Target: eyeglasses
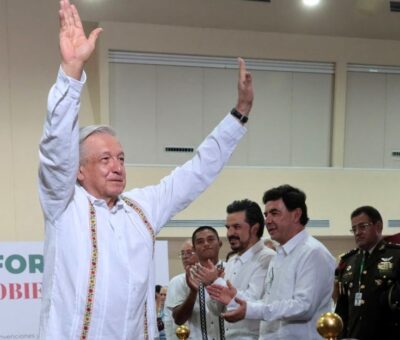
<point x="360" y="226"/>
<point x="186" y="254"/>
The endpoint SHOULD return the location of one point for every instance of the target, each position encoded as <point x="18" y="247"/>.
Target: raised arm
<point x="186" y="183"/>
<point x="59" y="146"/>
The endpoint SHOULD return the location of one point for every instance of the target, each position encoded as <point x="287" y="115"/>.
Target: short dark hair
<point x="201" y="228"/>
<point x="371" y="212"/>
<point x="253" y="213"/>
<point x="158" y="288"/>
<point x="293" y="198"/>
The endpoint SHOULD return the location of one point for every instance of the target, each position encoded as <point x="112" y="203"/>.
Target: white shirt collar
<point x="249" y="253"/>
<point x="290" y="245"/>
<point x="100" y="202"/>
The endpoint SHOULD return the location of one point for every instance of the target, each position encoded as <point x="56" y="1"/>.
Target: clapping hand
<point x="206" y="274"/>
<point x="236" y="314"/>
<point x="222" y="294"/>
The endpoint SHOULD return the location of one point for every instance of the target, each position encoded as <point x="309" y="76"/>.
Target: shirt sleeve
<point x="314" y="284"/>
<point x="59" y="145"/>
<point x="216" y="307"/>
<point x="176" y="191"/>
<point x="177" y="292"/>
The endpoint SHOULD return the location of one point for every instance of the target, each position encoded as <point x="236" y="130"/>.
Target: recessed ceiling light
<point x="310" y="2"/>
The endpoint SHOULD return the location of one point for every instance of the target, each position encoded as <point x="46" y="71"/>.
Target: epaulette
<point x="392" y="245"/>
<point x="349" y="253"/>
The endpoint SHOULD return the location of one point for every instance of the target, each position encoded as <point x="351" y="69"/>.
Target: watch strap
<point x="242" y="118"/>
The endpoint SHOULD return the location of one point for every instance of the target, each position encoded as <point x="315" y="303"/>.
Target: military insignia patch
<point x="385" y="265"/>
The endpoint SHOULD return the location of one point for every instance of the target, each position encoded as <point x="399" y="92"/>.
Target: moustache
<point x="230" y="238"/>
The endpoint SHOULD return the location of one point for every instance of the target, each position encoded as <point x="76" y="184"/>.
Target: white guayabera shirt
<point x="247" y="274"/>
<point x="178" y="291"/>
<point x="124" y="272"/>
<point x="298" y="290"/>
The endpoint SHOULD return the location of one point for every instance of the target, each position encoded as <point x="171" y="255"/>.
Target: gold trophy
<point x="329" y="325"/>
<point x="182" y="332"/>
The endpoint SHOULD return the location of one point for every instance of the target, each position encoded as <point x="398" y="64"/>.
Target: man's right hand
<point x="192" y="283"/>
<point x="75" y="48"/>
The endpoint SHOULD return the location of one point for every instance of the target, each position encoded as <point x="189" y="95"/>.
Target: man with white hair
<point x="98" y="280"/>
<point x="188" y="258"/>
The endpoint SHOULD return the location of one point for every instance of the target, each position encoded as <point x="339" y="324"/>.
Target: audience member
<point x="161" y="294"/>
<point x="369" y="281"/>
<point x="188" y="258"/>
<point x="187" y="297"/>
<point x="246" y="270"/>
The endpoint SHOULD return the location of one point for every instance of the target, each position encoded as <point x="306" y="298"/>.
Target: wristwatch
<point x="238" y="115"/>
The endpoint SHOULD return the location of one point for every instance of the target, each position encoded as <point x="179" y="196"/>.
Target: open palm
<point x="74" y="46"/>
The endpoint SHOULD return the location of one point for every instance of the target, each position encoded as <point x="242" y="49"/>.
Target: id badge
<point x="357" y="299"/>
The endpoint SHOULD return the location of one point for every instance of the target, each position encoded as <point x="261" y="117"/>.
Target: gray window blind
<point x="372" y="117"/>
<point x="171" y="102"/>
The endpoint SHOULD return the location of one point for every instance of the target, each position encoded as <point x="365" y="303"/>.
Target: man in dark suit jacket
<point x="369" y="281"/>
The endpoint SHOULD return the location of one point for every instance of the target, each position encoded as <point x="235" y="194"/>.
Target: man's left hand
<point x="245" y="89"/>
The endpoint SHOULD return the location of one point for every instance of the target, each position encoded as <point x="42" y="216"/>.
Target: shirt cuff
<point x="254" y="311"/>
<point x="220" y="281"/>
<point x="66" y="83"/>
<point x="235" y="128"/>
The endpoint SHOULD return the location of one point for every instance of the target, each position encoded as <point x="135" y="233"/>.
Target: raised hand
<point x="75" y="48"/>
<point x="236" y="314"/>
<point x="245" y="89"/>
<point x="222" y="294"/>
